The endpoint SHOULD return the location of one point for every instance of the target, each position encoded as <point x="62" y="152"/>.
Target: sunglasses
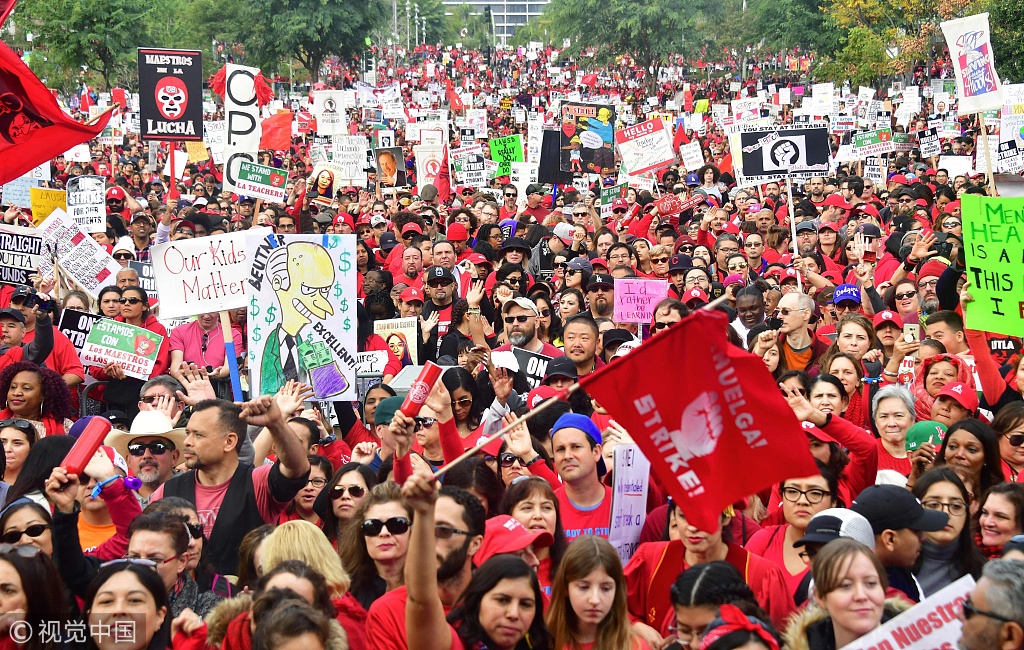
<point x="686" y="248"/>
<point x="14" y="536"/>
<point x="130" y="301"/>
<point x="438" y="285"/>
<point x="141" y="561"/>
<point x="569" y="271"/>
<point x="618" y="212"/>
<point x="424" y="423"/>
<point x="950" y="224"/>
<point x="462" y="401"/>
<point x="659" y="260"/>
<point x="904" y="296"/>
<point x="522" y="318"/>
<point x="356" y="491"/>
<point x="545" y="312"/>
<point x="970" y="611"/>
<point x="507" y="459"/>
<point x="1015" y="439"/>
<point x="395" y="526"/>
<point x="511" y="196"/>
<point x="660" y="326"/>
<point x="446" y="532"/>
<point x="786" y="311"/>
<point x="138" y="449"/>
<point x="22" y="425"/>
<point x="123" y="256"/>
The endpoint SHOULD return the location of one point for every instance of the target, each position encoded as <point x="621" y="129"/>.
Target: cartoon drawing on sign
<point x="171" y="97"/>
<point x="301" y="275"/>
<point x="700" y="427"/>
<point x="396" y="341"/>
<point x="325" y="183"/>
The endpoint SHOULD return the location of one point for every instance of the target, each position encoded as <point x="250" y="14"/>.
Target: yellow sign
<point x="197" y="152"/>
<point x="45" y="201"/>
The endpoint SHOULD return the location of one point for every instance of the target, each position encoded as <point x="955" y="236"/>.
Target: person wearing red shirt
<point x="584" y="502"/>
<point x="533" y="207"/>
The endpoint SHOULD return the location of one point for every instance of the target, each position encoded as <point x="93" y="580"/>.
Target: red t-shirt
<point x="385" y="623"/>
<point x="769" y="543"/>
<point x="593" y="521"/>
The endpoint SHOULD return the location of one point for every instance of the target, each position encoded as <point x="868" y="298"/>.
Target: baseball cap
<point x="812" y="430"/>
<point x="889" y="507"/>
<point x="538" y="395"/>
<point x="115" y="193"/>
<point x="680" y="262"/>
<point x="439" y="273"/>
<point x="925" y="431"/>
<point x="525" y="303"/>
<point x="535" y="188"/>
<point x="846" y="292"/>
<point x="834" y="523"/>
<point x="695" y="294"/>
<point x="963" y="394"/>
<point x="836" y="201"/>
<point x="600" y="279"/>
<point x="828" y="225"/>
<point x="898" y="178"/>
<point x="692" y="179"/>
<point x="620" y="203"/>
<point x="789" y="274"/>
<point x="587" y="426"/>
<point x="580" y="264"/>
<point x="10" y="312"/>
<point x="804" y="226"/>
<point x="23" y="291"/>
<point x="503" y="534"/>
<point x="616" y="337"/>
<point x="564" y="232"/>
<point x="388" y="241"/>
<point x="117" y="417"/>
<point x="733" y="278"/>
<point x="410" y="294"/>
<point x="560" y="367"/>
<point x="868" y="230"/>
<point x="456" y="232"/>
<point x="344" y="217"/>
<point x="888" y="317"/>
<point x="477" y="258"/>
<point x="378" y="220"/>
<point x="386" y="409"/>
<point x="411" y="227"/>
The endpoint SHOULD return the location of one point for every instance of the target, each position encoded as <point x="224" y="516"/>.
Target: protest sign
<point x="467" y="136"/>
<point x="329" y="109"/>
<point x="521" y="174"/>
<point x="506" y="150"/>
<point x="645" y="147"/>
<point x="902" y="143"/>
<point x="302" y="313"/>
<point x="970" y="48"/>
<point x="534" y="136"/>
<point x="474" y="170"/>
<point x="371" y="363"/>
<point x="147" y="278"/>
<point x="242" y="116"/>
<point x="932" y="623"/>
<point x="214" y="133"/>
<point x="197" y="152"/>
<point x="929" y="142"/>
<point x="873" y="143"/>
<point x="994" y="255"/>
<point x="692" y="156"/>
<point x="349" y="160"/>
<point x="476" y="119"/>
<point x="400" y="335"/>
<point x="20" y="252"/>
<point x="81" y="258"/>
<point x="390" y="167"/>
<point x="587" y="138"/>
<point x="636" y="298"/>
<point x="1010" y="159"/>
<point x="17" y="192"/>
<point x="429" y="162"/>
<point x="171" y="94"/>
<point x="956" y="165"/>
<point x="135" y="348"/>
<point x="608" y="196"/>
<point x="45" y="201"/>
<point x="771" y="154"/>
<point x="629" y="499"/>
<point x="532" y="364"/>
<point x="87" y="202"/>
<point x="76" y="325"/>
<point x="198" y="276"/>
<point x="261" y="182"/>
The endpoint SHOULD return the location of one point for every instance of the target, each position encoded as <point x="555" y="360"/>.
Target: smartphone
<point x="911" y="334"/>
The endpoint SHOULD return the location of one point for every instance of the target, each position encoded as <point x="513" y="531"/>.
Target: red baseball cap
<point x="696" y="293"/>
<point x="344" y="217"/>
<point x="620" y="203"/>
<point x="828" y="225"/>
<point x="411" y="227"/>
<point x="836" y="201"/>
<point x="538" y="395"/>
<point x="790" y="274"/>
<point x="963" y="394"/>
<point x="504" y="534"/>
<point x="456" y="232"/>
<point x="599" y="261"/>
<point x="888" y="317"/>
<point x="898" y="178"/>
<point x="410" y="294"/>
<point x="116" y="193"/>
<point x="812" y="430"/>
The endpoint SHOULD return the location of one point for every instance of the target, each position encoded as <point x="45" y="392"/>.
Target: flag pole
<point x="99" y="116"/>
<point x="792" y="227"/>
<point x="560" y="397"/>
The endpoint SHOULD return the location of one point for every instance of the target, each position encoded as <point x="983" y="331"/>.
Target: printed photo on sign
<point x="302" y="313"/>
<point x="588" y="138"/>
<point x="390" y="167"/>
<point x="171" y="94"/>
<point x="400" y="335"/>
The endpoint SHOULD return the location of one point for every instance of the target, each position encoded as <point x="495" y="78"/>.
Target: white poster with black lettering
<point x="329" y="109"/>
<point x="771" y="154"/>
<point x="629" y="498"/>
<point x="928" y="140"/>
<point x="242" y="115"/>
<point x="86" y="202"/>
<point x="76" y="325"/>
<point x="532" y="364"/>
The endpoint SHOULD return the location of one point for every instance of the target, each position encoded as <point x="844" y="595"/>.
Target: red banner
<point x="33" y="127"/>
<point x="719" y="431"/>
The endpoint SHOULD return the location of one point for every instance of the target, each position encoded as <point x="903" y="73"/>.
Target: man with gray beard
<point x="151" y="448"/>
<point x="520" y="317"/>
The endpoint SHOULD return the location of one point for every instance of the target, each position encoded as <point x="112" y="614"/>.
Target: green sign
<point x="134" y="348"/>
<point x="993" y="230"/>
<point x="261" y="182"/>
<point x="506" y="150"/>
<point x="608" y="196"/>
<point x="873" y="143"/>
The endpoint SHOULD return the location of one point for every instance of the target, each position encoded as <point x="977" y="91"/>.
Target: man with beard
<point x="927" y="281"/>
<point x="581" y="337"/>
<point x="520" y="316"/>
<point x="806" y="237"/>
<point x="601" y="294"/>
<point x="459" y="525"/>
<point x="442" y="287"/>
<point x="231" y="497"/>
<point x="816" y="190"/>
<point x="151" y="448"/>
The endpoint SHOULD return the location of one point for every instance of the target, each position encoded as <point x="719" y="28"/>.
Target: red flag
<point x="33" y="127"/>
<point x="277" y="131"/>
<point x="717" y="432"/>
<point x="589" y="79"/>
<point x="454" y="101"/>
<point x="119" y="97"/>
<point x="6" y="7"/>
<point x="86" y="104"/>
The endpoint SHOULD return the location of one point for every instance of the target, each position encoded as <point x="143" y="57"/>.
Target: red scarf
<point x="53" y="426"/>
<point x="238" y="635"/>
<point x="857" y="411"/>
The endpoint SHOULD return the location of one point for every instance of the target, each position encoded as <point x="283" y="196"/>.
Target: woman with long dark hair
<point x="948" y="554"/>
<point x="340" y="499"/>
<point x="128" y="592"/>
<point x="32" y="592"/>
<point x="44" y="456"/>
<point x="531" y="501"/>
<point x="467" y="402"/>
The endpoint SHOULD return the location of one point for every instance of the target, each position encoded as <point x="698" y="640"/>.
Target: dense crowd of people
<point x="282" y="522"/>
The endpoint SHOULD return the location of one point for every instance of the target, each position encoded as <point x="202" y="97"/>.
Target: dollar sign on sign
<point x="255" y="307"/>
<point x="271" y="311"/>
<point x="337" y="291"/>
<point x="256" y="336"/>
<point x="345" y="263"/>
<point x="344" y="304"/>
<point x="347" y="324"/>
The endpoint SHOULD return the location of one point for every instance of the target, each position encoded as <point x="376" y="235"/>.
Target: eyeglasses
<point x="752" y="244"/>
<point x="545" y="313"/>
<point x="138" y="449"/>
<point x="970" y="611"/>
<point x="930" y="284"/>
<point x="356" y="491"/>
<point x="462" y="401"/>
<point x="318" y="482"/>
<point x="786" y="311"/>
<point x="130" y="301"/>
<point x="738" y="267"/>
<point x="123" y="256"/>
<point x="424" y="423"/>
<point x="395" y="526"/>
<point x="950" y="224"/>
<point x="33" y="531"/>
<point x="23" y="425"/>
<point x="25" y="551"/>
<point x="955" y="508"/>
<point x="659" y="260"/>
<point x="814" y="495"/>
<point x="522" y="318"/>
<point x="1015" y="439"/>
<point x="905" y="296"/>
<point x="445" y="532"/>
<point x="152" y="399"/>
<point x="155" y="561"/>
<point x="507" y="459"/>
<point x="687" y="634"/>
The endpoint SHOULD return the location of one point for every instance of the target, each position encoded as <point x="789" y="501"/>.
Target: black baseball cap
<point x="680" y="262"/>
<point x="890" y="507"/>
<point x="599" y="279"/>
<point x="439" y="273"/>
<point x="561" y="367"/>
<point x="117" y="417"/>
<point x="10" y="312"/>
<point x="21" y="291"/>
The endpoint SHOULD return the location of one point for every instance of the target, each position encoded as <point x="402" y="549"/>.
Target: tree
<point x="102" y="35"/>
<point x="648" y="31"/>
<point x="786" y="24"/>
<point x="470" y="27"/>
<point x="862" y="60"/>
<point x="307" y="30"/>
<point x="1007" y="22"/>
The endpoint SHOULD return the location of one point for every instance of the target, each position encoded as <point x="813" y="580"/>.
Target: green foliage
<point x="478" y="33"/>
<point x="1007" y="22"/>
<point x="534" y="30"/>
<point x="862" y="60"/>
<point x="786" y="24"/>
<point x="309" y="31"/>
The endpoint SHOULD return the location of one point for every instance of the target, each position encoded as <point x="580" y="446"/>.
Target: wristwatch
<point x="536" y="459"/>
